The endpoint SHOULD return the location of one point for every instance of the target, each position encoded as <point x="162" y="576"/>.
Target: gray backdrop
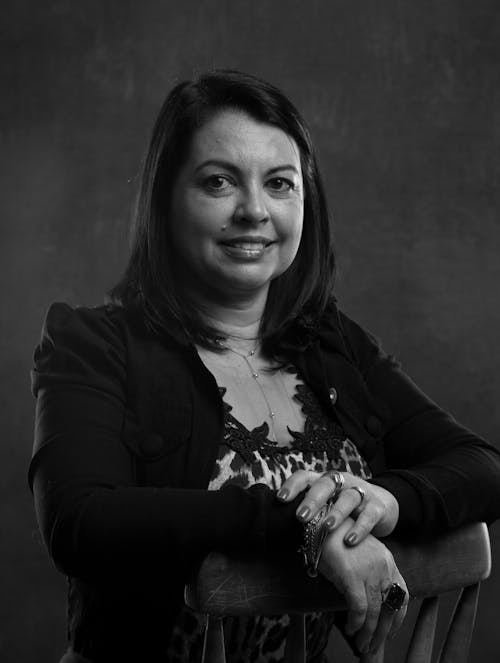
<point x="403" y="100"/>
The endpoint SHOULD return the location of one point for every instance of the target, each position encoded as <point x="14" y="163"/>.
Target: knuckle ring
<point x="362" y="494"/>
<point x="338" y="480"/>
<point x="394" y="597"/>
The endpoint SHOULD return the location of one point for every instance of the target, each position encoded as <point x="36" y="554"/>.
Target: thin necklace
<point x="255" y="374"/>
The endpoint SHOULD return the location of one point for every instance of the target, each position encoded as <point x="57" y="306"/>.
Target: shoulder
<point x="84" y="345"/>
<point x="65" y="326"/>
<point x="342" y="333"/>
<point x="61" y="318"/>
<point x="98" y="346"/>
<point x="339" y="332"/>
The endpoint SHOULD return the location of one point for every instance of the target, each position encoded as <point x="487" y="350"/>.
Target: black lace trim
<point x="320" y="435"/>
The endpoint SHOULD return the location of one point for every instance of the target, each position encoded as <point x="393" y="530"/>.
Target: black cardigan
<point x="127" y="429"/>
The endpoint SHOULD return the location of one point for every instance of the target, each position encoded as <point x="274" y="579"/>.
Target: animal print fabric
<point x="247" y="457"/>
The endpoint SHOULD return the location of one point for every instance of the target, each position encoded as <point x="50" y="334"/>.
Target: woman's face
<point x="237" y="207"/>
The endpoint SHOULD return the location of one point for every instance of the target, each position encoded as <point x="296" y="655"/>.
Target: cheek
<point x="200" y="215"/>
<point x="291" y="223"/>
<point x="295" y="242"/>
<point x="290" y="233"/>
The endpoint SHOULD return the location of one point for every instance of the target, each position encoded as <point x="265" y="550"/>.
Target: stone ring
<point x="394" y="597"/>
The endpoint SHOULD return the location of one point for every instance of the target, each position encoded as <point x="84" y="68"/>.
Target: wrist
<point x="389" y="522"/>
<point x="334" y="548"/>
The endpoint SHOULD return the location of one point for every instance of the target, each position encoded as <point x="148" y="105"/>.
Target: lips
<point x="248" y="242"/>
<point x="246" y="247"/>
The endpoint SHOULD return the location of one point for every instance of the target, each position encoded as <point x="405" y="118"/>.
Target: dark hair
<point x="298" y="297"/>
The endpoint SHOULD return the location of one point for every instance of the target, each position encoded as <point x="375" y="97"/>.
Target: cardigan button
<point x="152" y="444"/>
<point x="332" y="392"/>
<point x="373" y="425"/>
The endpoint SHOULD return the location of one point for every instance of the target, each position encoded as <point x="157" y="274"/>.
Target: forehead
<point x="236" y="136"/>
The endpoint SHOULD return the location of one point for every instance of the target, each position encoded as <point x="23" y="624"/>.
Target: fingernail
<point x="303" y="513"/>
<point x="351" y="539"/>
<point x="283" y="494"/>
<point x="331" y="523"/>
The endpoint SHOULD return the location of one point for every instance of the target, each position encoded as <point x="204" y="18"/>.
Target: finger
<point x="372" y="657"/>
<point x="389" y="621"/>
<point x="365" y="523"/>
<point x="296" y="483"/>
<point x="366" y="632"/>
<point x="357" y="606"/>
<point x="384" y="627"/>
<point x="317" y="496"/>
<point x="347" y="502"/>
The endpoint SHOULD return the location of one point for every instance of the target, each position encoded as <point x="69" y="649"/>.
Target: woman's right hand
<point x="363" y="574"/>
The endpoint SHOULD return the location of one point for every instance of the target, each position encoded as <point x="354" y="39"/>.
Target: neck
<point x="237" y="319"/>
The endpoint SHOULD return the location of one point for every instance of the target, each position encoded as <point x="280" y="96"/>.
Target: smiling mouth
<point x="248" y="243"/>
<point x="245" y="248"/>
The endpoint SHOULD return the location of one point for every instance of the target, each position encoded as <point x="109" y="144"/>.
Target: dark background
<point x="403" y="99"/>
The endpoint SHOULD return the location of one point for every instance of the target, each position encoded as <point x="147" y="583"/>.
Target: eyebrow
<point x="220" y="163"/>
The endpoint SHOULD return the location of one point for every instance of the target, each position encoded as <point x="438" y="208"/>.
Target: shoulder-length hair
<point x="298" y="297"/>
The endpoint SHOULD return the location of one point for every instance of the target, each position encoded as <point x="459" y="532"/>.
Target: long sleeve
<point x="442" y="474"/>
<point x="94" y="517"/>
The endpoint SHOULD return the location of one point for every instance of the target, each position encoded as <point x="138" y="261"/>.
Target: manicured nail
<point x="283" y="494"/>
<point x="331" y="523"/>
<point x="303" y="513"/>
<point x="351" y="539"/>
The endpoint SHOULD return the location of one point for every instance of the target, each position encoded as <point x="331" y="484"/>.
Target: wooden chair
<point x="237" y="586"/>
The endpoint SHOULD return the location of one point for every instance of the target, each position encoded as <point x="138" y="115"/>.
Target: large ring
<point x="362" y="494"/>
<point x="394" y="597"/>
<point x="338" y="480"/>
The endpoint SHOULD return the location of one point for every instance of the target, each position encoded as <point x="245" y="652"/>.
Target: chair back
<point x="231" y="586"/>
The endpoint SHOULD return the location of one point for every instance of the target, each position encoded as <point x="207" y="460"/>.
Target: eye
<point x="217" y="182"/>
<point x="281" y="184"/>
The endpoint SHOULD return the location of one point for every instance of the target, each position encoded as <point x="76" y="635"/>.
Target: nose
<point x="251" y="208"/>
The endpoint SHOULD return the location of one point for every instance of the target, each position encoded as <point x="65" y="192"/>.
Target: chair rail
<point x="229" y="585"/>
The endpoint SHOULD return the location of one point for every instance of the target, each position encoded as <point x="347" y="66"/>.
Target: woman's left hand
<point x="376" y="514"/>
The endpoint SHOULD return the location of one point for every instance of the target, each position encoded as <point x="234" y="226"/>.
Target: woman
<point x="223" y="372"/>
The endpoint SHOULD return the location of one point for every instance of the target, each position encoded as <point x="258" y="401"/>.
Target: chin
<point x="244" y="284"/>
<point x="250" y="276"/>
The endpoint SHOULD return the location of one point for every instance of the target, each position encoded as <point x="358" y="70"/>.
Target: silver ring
<point x="394" y="597"/>
<point x="362" y="494"/>
<point x="338" y="480"/>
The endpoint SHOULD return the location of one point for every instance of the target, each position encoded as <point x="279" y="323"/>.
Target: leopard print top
<point x="247" y="457"/>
